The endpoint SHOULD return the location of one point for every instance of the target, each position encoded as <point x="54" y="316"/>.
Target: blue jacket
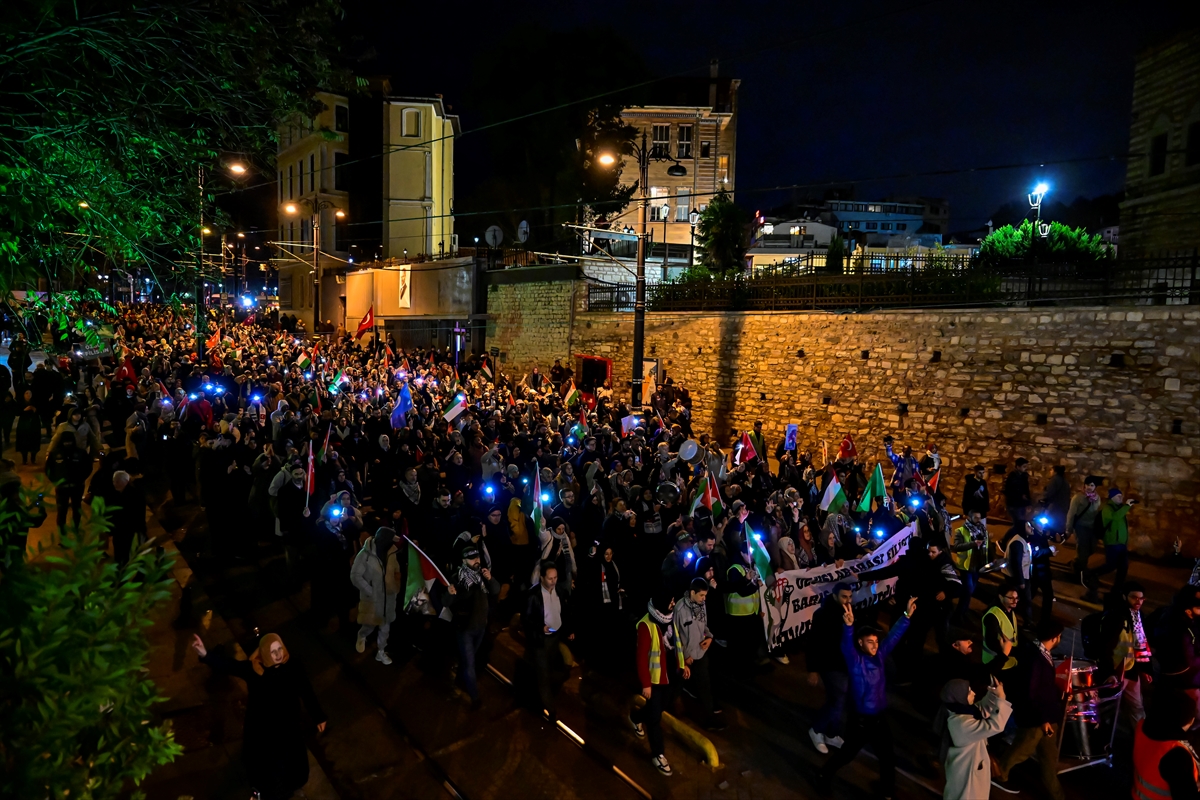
<point x="868" y="686"/>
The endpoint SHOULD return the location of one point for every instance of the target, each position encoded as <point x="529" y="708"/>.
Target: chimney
<point x="712" y="67"/>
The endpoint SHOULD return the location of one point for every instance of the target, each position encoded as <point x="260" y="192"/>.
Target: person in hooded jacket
<point x="965" y="727"/>
<point x="470" y="600"/>
<point x="281" y="708"/>
<point x="378" y="573"/>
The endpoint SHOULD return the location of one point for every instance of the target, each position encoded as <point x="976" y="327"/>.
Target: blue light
<point x="335" y="512"/>
<point x="545" y="497"/>
<point x="524" y="480"/>
<point x="758" y="537"/>
<point x="687" y="556"/>
<point x="308" y="376"/>
<point x="1041" y="188"/>
<point x="570" y="440"/>
<point x="916" y="502"/>
<point x="208" y="387"/>
<point x="256" y="399"/>
<point x="1043" y="520"/>
<point x="488" y="489"/>
<point x="192" y="396"/>
<point x="879" y="532"/>
<point x="247" y="302"/>
<point x="857" y="529"/>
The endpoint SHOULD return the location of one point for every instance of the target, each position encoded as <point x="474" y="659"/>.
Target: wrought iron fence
<point x="918" y="282"/>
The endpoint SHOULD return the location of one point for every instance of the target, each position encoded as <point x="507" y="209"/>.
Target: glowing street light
<point x="1035" y="203"/>
<point x="237" y="169"/>
<point x="291" y="208"/>
<point x="607" y="159"/>
<point x="83" y="204"/>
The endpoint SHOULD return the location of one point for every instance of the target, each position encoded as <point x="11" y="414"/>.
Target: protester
<point x="378" y="575"/>
<point x="1116" y="541"/>
<point x="547" y="622"/>
<point x="471" y="592"/>
<point x="695" y="640"/>
<point x="280" y="708"/>
<point x="1082" y="516"/>
<point x="1164" y="763"/>
<point x="966" y="727"/>
<point x="660" y="656"/>
<point x="1125" y="651"/>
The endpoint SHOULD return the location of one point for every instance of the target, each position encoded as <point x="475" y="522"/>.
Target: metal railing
<point x="922" y="282"/>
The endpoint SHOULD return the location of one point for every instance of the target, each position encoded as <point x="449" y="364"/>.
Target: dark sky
<point x="829" y="93"/>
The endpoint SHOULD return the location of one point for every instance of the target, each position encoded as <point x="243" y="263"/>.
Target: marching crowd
<point x="442" y="498"/>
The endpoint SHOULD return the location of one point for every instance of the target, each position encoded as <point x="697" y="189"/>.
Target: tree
<point x="836" y="254"/>
<point x="1061" y="243"/>
<point x="112" y="110"/>
<point x="76" y="707"/>
<point x="721" y="236"/>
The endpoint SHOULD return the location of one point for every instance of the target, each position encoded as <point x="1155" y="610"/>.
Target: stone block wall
<point x="531" y="323"/>
<point x="1108" y="391"/>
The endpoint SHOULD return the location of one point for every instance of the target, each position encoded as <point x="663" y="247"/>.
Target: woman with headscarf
<point x="276" y="728"/>
<point x="806" y="548"/>
<point x="378" y="575"/>
<point x="786" y="557"/>
<point x="965" y="727"/>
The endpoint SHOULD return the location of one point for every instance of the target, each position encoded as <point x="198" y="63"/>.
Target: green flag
<point x="760" y="557"/>
<point x="876" y="490"/>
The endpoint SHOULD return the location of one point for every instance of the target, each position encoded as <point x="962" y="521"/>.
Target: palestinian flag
<point x="457" y="383"/>
<point x="745" y="450"/>
<point x="367" y="323"/>
<point x="538" y="521"/>
<point x="337" y="382"/>
<point x="486" y="369"/>
<point x="876" y="490"/>
<point x="314" y="399"/>
<point x="580" y="428"/>
<point x="422" y="573"/>
<point x="432" y="360"/>
<point x="708" y="496"/>
<point x="835" y="497"/>
<point x="933" y="481"/>
<point x="572" y="395"/>
<point x="456" y="406"/>
<point x="323" y="453"/>
<point x="304" y="360"/>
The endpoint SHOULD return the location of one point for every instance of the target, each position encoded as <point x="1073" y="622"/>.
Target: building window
<point x="290" y="195"/>
<point x="683" y="207"/>
<point x="660" y="141"/>
<point x="874" y="209"/>
<point x="889" y="209"/>
<point x="1158" y="154"/>
<point x="706" y="149"/>
<point x="723" y="169"/>
<point x="872" y="226"/>
<point x="411" y="122"/>
<point x="684" y="149"/>
<point x="312" y="173"/>
<point x="860" y="207"/>
<point x="901" y="226"/>
<point x="1192" y="157"/>
<point x="659" y="212"/>
<point x="339" y="172"/>
<point x="885" y="226"/>
<point x="341" y="119"/>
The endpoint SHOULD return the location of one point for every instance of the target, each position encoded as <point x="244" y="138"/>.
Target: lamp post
<point x="316" y="205"/>
<point x="694" y="219"/>
<point x="644" y="157"/>
<point x="1035" y="202"/>
<point x="666" y="213"/>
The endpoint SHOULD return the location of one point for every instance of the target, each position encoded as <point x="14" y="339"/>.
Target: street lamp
<point x="694" y="219"/>
<point x="644" y="156"/>
<point x="666" y="213"/>
<point x="1035" y="203"/>
<point x="316" y="206"/>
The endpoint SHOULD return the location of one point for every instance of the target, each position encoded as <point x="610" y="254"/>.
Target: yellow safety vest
<point x="966" y="559"/>
<point x="1008" y="629"/>
<point x="738" y="606"/>
<point x="656" y="648"/>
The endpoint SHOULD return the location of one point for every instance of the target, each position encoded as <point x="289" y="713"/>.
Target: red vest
<point x="1148" y="784"/>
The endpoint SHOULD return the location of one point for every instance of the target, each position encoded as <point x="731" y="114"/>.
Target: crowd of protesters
<point x="429" y="493"/>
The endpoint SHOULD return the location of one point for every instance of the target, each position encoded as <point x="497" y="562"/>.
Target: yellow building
<point x="418" y="178"/>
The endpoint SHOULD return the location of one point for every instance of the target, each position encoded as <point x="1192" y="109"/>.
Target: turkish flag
<point x="368" y="322"/>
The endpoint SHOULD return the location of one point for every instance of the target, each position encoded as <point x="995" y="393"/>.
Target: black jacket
<point x="535" y="615"/>
<point x="1033" y="692"/>
<point x="823" y="648"/>
<point x="1016" y="489"/>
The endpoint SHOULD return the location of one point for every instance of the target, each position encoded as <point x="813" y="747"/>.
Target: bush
<point x="1061" y="244"/>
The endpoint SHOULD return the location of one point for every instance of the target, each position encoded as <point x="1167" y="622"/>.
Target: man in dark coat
<point x="1017" y="497"/>
<point x="547" y="623"/>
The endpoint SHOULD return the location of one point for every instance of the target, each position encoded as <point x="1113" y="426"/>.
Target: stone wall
<point x="1102" y="390"/>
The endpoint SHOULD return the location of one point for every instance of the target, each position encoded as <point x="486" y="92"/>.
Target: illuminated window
<point x="723" y="169"/>
<point x="682" y="209"/>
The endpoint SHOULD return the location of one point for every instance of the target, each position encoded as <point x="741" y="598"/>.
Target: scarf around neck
<point x="658" y="616"/>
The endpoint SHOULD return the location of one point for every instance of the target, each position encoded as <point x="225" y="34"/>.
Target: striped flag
<point x="708" y="496"/>
<point x="745" y="450"/>
<point x="538" y="522"/>
<point x="572" y="395"/>
<point x="456" y="406"/>
<point x="304" y="360"/>
<point x="323" y="453"/>
<point x="422" y="572"/>
<point x="486" y="368"/>
<point x="933" y="480"/>
<point x="834" y="498"/>
<point x="213" y="340"/>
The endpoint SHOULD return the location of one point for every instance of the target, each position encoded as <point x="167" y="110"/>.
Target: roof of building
<point x="687" y="92"/>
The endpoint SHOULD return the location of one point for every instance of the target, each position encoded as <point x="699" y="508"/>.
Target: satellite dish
<point x="493" y="236"/>
<point x="523" y="232"/>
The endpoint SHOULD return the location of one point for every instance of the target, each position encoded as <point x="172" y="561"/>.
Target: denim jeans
<point x="469" y="643"/>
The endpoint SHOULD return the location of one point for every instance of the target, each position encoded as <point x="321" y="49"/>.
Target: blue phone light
<point x="192" y="396"/>
<point x="545" y="497"/>
<point x="1043" y="520"/>
<point x="335" y="512"/>
<point x="879" y="532"/>
<point x="570" y="440"/>
<point x="857" y="529"/>
<point x="524" y="480"/>
<point x="916" y="502"/>
<point x="488" y="489"/>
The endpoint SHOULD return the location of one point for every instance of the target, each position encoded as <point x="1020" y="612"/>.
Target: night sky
<point x="832" y="94"/>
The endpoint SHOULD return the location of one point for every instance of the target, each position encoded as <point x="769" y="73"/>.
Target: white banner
<point x="798" y="593"/>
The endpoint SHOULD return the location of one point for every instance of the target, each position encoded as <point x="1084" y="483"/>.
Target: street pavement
<point x="406" y="731"/>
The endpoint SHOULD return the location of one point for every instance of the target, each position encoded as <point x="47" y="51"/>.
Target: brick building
<point x="1161" y="211"/>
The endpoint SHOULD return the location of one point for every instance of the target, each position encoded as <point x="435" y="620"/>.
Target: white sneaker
<point x="660" y="763"/>
<point x="361" y="644"/>
<point x="383" y="658"/>
<point x="638" y="728"/>
<point x="818" y="741"/>
<point x="834" y="741"/>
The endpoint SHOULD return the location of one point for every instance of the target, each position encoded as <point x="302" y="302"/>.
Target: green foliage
<point x="721" y="236"/>
<point x="76" y="704"/>
<point x="836" y="255"/>
<point x="1062" y="244"/>
<point x="124" y="106"/>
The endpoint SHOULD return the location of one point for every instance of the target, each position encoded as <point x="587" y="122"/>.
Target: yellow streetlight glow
<point x="241" y="236"/>
<point x="237" y="169"/>
<point x="339" y="213"/>
<point x="206" y="230"/>
<point x="290" y="208"/>
<point x="83" y="204"/>
<point x="607" y="159"/>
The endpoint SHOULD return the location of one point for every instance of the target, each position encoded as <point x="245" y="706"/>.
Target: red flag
<point x="125" y="373"/>
<point x="933" y="481"/>
<point x="385" y="359"/>
<point x="432" y="359"/>
<point x="847" y="449"/>
<point x="387" y="349"/>
<point x="583" y="416"/>
<point x="404" y="365"/>
<point x="1062" y="675"/>
<point x="746" y="451"/>
<point x="213" y="340"/>
<point x="367" y="323"/>
<point x="511" y="402"/>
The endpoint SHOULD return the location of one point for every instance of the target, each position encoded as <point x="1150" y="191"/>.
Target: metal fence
<point x="923" y="283"/>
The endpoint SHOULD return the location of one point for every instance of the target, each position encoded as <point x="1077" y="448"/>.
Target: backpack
<point x="1090" y="632"/>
